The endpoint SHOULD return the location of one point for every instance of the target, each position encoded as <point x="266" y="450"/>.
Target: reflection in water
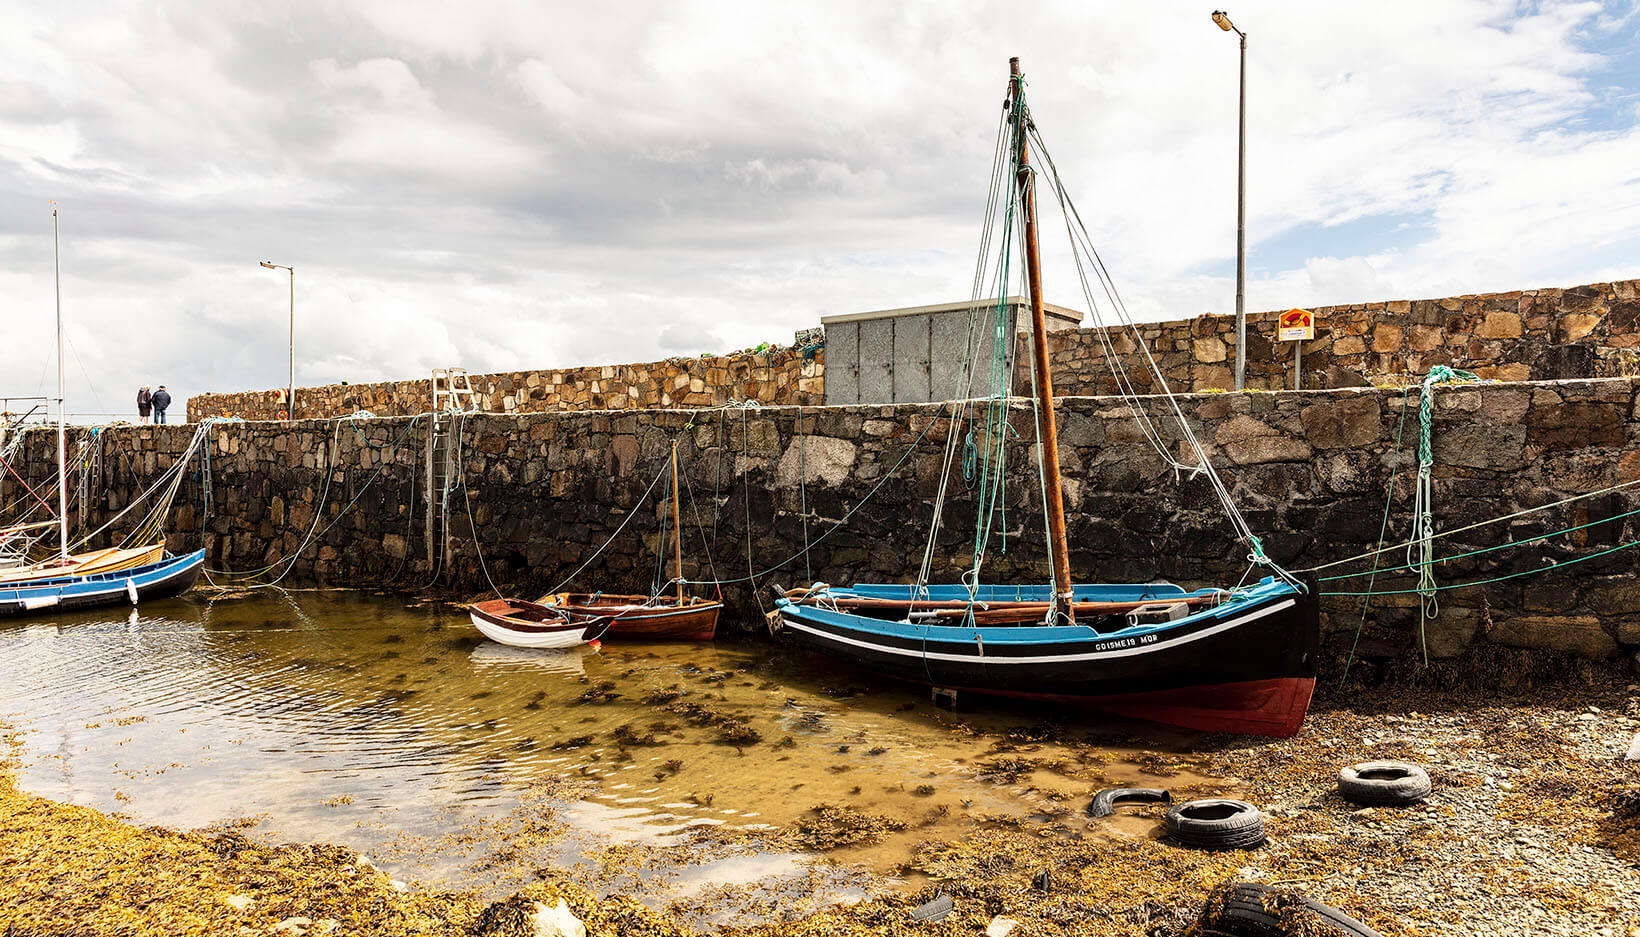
<point x="562" y="661"/>
<point x="395" y="729"/>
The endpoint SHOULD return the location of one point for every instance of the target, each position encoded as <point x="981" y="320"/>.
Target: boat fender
<point x="131" y="590"/>
<point x="1106" y="801"/>
<point x="41" y="601"/>
<point x="932" y="911"/>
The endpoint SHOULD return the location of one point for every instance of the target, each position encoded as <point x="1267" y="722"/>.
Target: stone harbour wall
<point x="538" y="493"/>
<point x="780" y="376"/>
<point x="1544" y="334"/>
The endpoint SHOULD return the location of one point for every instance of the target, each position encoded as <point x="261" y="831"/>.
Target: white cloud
<point x="522" y="184"/>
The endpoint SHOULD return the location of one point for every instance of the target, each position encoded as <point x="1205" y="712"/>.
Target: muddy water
<point x="672" y="771"/>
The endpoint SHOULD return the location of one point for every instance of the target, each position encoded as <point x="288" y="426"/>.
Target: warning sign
<point x="1296" y="325"/>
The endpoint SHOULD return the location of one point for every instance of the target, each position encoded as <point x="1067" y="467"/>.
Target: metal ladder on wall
<point x="452" y="396"/>
<point x="90" y="468"/>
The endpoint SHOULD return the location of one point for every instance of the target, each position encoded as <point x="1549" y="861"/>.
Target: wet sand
<point x="854" y="802"/>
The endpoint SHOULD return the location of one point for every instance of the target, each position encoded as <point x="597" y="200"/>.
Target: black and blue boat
<point x="1240" y="659"/>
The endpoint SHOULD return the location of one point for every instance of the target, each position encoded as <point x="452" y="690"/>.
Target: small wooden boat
<point x="676" y="617"/>
<point x="112" y="560"/>
<point x="529" y="624"/>
<point x="661" y="618"/>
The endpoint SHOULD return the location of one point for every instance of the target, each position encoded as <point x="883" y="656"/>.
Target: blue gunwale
<point x="140" y="575"/>
<point x="1267" y="589"/>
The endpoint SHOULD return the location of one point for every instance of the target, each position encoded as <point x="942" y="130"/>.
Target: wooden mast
<point x="1046" y="427"/>
<point x="62" y="402"/>
<point x="677" y="532"/>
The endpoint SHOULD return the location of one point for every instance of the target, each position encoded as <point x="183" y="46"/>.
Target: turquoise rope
<point x="1423" y="510"/>
<point x="1482" y="582"/>
<point x="1491" y="549"/>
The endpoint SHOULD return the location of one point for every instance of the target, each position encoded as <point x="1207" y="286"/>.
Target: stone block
<point x="1451" y="632"/>
<point x="1249" y="441"/>
<point x="1349" y="345"/>
<point x="1351" y="422"/>
<point x="1348" y="473"/>
<point x="1499" y="324"/>
<point x="1574" y="425"/>
<point x="623" y="451"/>
<point x="1576" y="326"/>
<point x="882" y="428"/>
<point x="1425" y="337"/>
<point x="1513" y="371"/>
<point x="1480" y="445"/>
<point x="1209" y="350"/>
<point x="1214" y="377"/>
<point x="1618" y="595"/>
<point x="765" y="437"/>
<point x="1576" y="634"/>
<point x="1386" y="338"/>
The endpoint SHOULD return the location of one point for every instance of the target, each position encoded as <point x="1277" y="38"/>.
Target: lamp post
<point x="1223" y="22"/>
<point x="290" y="394"/>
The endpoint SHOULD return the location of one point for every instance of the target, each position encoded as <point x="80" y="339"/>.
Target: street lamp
<point x="1222" y="20"/>
<point x="290" y="395"/>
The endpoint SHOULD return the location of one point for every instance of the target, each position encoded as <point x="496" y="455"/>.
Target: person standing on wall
<point x="145" y="400"/>
<point x="160" y="400"/>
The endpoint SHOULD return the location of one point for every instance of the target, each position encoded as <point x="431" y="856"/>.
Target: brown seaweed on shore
<point x="829" y="826"/>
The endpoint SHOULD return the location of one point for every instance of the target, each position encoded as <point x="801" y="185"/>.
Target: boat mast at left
<point x="62" y="401"/>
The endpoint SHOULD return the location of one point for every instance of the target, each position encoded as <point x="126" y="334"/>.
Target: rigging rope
<point x="1423" y="510"/>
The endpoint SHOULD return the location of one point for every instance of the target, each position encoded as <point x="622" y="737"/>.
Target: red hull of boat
<point x="1273" y="707"/>
<point x="640" y="617"/>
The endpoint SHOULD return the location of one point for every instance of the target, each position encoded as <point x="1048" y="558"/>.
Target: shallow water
<point x="389" y="725"/>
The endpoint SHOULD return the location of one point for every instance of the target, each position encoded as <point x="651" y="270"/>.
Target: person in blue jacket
<point x="160" y="400"/>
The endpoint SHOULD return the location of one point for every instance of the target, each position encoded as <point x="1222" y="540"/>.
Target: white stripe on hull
<point x="569" y="637"/>
<point x="1040" y="658"/>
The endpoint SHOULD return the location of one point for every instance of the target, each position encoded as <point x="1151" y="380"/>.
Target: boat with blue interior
<point x="1236" y="659"/>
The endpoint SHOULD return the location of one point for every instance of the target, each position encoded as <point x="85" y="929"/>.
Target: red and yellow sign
<point x="1296" y="325"/>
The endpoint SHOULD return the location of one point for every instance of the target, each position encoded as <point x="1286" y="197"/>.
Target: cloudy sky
<point x="506" y="185"/>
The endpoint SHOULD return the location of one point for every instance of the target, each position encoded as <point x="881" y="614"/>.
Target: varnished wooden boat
<point x="662" y="618"/>
<point x="529" y="624"/>
<point x="86" y="564"/>
<point x="674" y="617"/>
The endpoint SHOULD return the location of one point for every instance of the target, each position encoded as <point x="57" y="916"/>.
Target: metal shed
<point x="915" y="354"/>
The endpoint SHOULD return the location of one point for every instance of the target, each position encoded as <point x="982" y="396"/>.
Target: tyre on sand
<point x="1246" y="909"/>
<point x="1216" y="824"/>
<point x="1384" y="784"/>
